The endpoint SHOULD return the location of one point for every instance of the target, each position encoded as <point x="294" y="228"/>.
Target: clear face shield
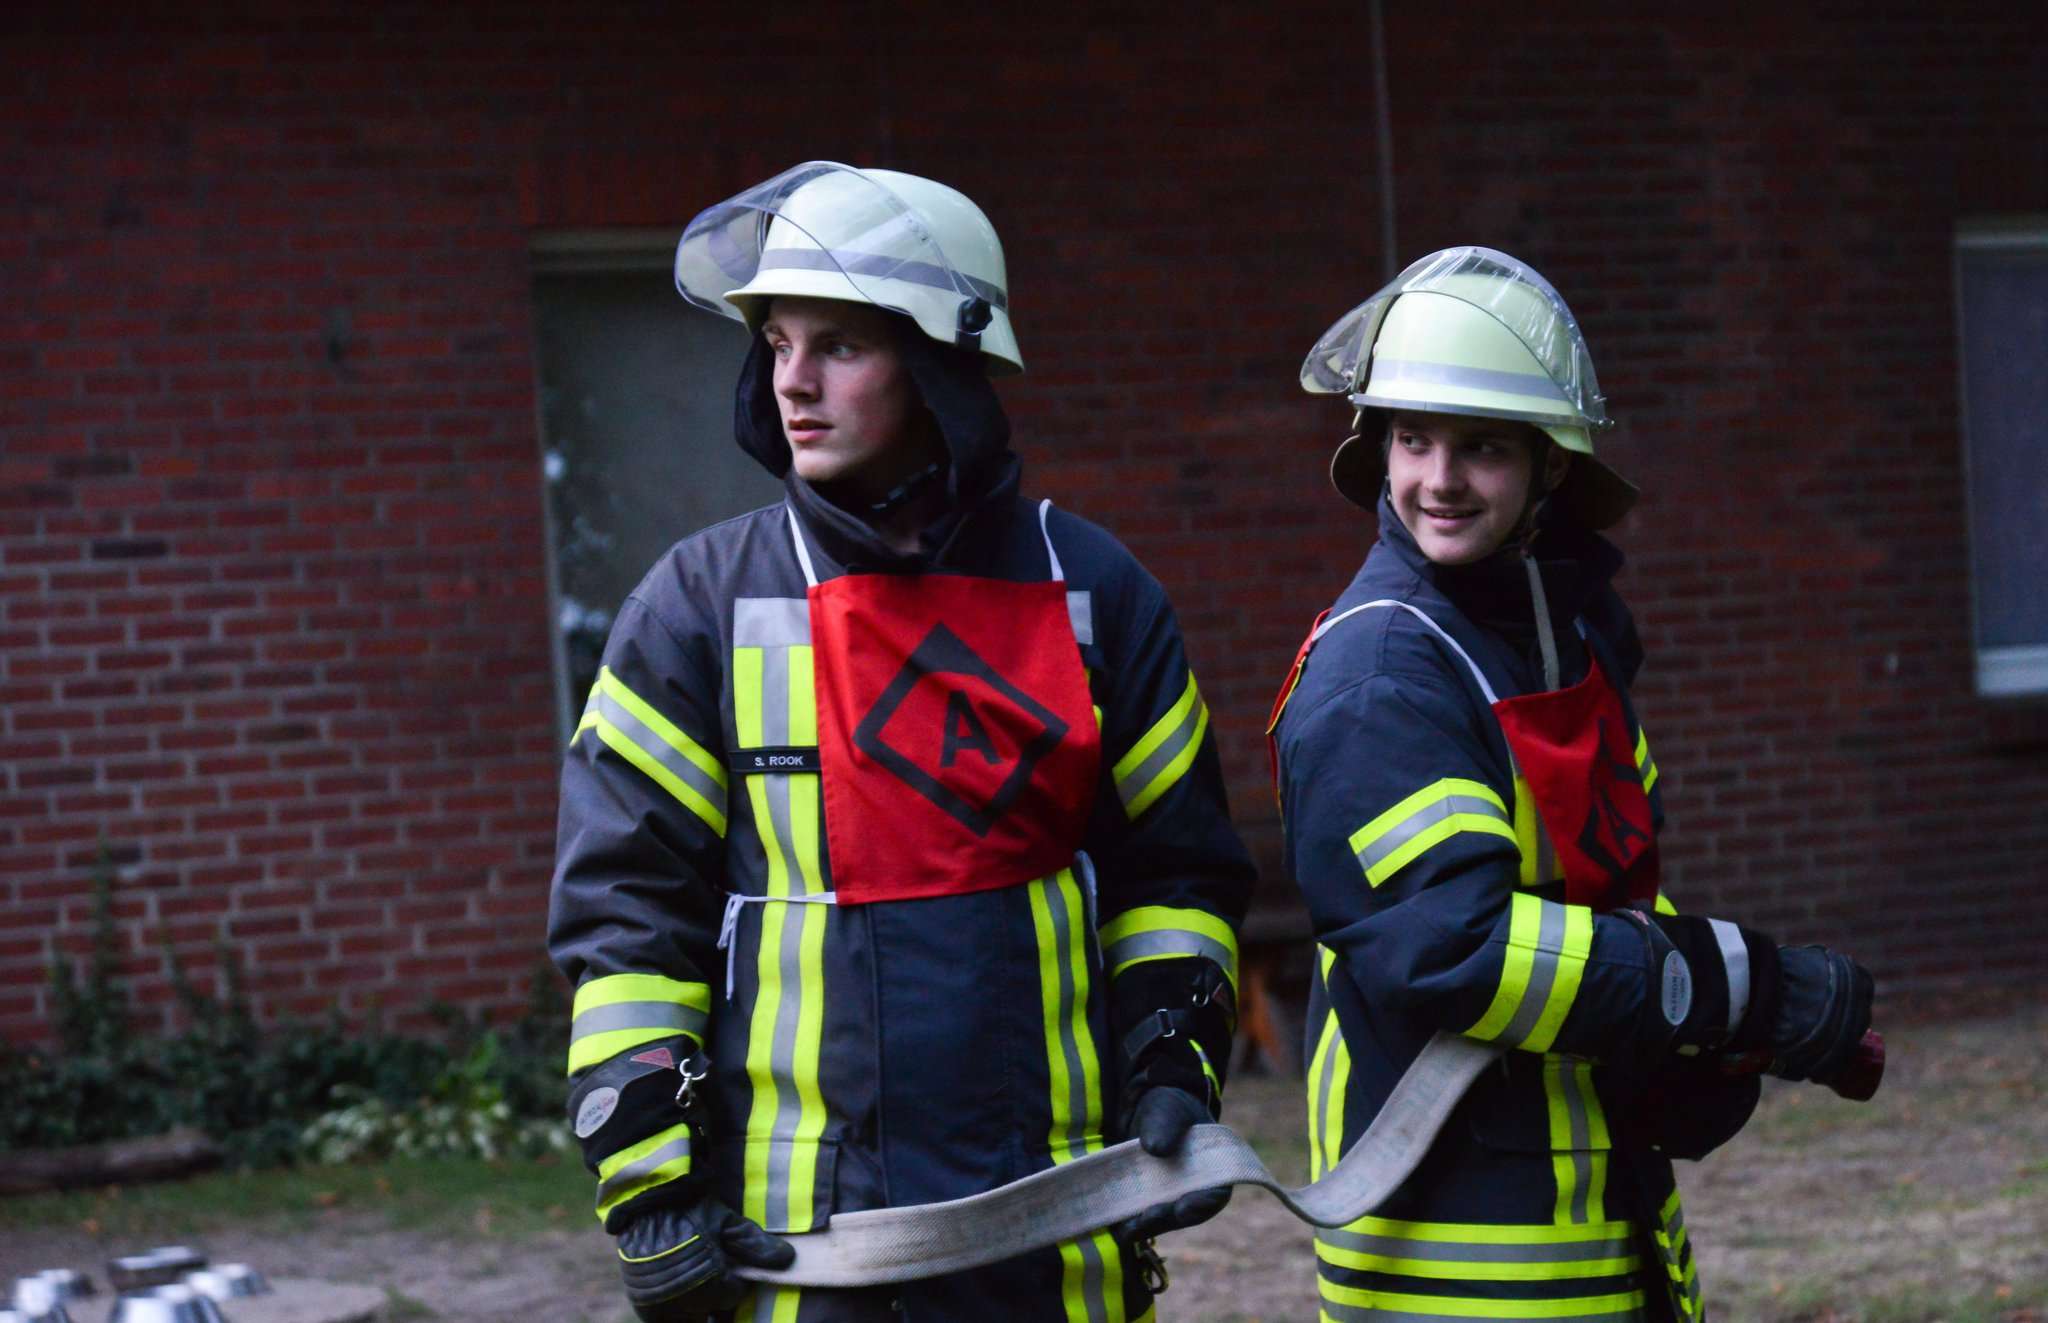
<point x="829" y="231"/>
<point x="1506" y="290"/>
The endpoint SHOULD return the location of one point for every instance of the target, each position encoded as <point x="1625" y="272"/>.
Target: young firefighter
<point x="1472" y="812"/>
<point x="893" y="835"/>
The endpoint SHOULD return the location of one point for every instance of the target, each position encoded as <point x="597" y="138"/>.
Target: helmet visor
<point x="823" y="230"/>
<point x="1493" y="282"/>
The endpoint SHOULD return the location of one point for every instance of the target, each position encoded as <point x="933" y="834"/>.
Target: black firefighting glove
<point x="676" y="1243"/>
<point x="1822" y="1014"/>
<point x="1800" y="1012"/>
<point x="1172" y="1058"/>
<point x="1713" y="986"/>
<point x="676" y="1259"/>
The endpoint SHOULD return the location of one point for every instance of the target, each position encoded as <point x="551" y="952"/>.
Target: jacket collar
<point x="1577" y="566"/>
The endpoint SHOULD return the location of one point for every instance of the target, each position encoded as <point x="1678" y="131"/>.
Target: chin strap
<point x="1544" y="637"/>
<point x="903" y="491"/>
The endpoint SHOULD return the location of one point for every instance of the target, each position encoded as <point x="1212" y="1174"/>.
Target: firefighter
<point x="1472" y="809"/>
<point x="893" y="841"/>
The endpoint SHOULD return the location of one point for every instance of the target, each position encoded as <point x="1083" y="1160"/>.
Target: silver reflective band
<point x="1081" y="615"/>
<point x="1132" y="785"/>
<point x="639" y="1015"/>
<point x="1735" y="959"/>
<point x="646" y="1165"/>
<point x="1457" y="1251"/>
<point x="1550" y="934"/>
<point x="1344" y="1313"/>
<point x="657" y="747"/>
<point x="1532" y="384"/>
<point x="1169" y="942"/>
<point x="882" y="267"/>
<point x="1398" y="835"/>
<point x="771" y="622"/>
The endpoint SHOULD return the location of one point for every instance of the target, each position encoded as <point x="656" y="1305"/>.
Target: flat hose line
<point x="1077" y="1198"/>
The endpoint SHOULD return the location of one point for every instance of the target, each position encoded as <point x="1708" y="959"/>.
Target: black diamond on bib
<point x="958" y="733"/>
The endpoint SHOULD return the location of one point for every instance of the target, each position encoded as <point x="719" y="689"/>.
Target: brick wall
<point x="272" y="606"/>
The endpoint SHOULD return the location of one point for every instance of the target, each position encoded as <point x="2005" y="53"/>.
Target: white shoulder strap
<point x="1053" y="556"/>
<point x="803" y="553"/>
<point x="1434" y="628"/>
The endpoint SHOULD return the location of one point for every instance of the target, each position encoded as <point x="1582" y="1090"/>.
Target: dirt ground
<point x="1930" y="1203"/>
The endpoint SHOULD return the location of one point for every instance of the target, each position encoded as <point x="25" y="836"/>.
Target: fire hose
<point x="1099" y="1189"/>
<point x="1093" y="1191"/>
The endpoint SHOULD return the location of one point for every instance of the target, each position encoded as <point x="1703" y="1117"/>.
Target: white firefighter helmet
<point x="830" y="231"/>
<point x="1469" y="331"/>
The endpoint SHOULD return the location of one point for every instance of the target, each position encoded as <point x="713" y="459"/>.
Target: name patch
<point x="762" y="762"/>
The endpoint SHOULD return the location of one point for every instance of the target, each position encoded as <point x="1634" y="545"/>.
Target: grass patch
<point x="452" y="1195"/>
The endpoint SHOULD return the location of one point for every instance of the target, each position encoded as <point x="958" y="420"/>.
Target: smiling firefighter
<point x="893" y="841"/>
<point x="1472" y="811"/>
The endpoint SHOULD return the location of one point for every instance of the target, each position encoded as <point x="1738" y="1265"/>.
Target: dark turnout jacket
<point x="901" y="1051"/>
<point x="1438" y="905"/>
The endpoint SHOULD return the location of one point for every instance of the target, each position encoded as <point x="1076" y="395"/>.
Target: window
<point x="636" y="404"/>
<point x="2002" y="317"/>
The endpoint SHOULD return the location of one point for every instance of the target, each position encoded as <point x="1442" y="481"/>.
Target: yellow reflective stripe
<point x="617" y="1012"/>
<point x="1430" y="816"/>
<point x="631" y="728"/>
<point x="1681" y="1267"/>
<point x="1397" y="1303"/>
<point x="1664" y="905"/>
<point x="1492" y="1233"/>
<point x="1541" y="967"/>
<point x="1578" y="1140"/>
<point x="1539" y="858"/>
<point x="637" y="1168"/>
<point x="1329" y="1073"/>
<point x="662" y="1254"/>
<point x="770" y="1304"/>
<point x="1646" y="766"/>
<point x="1161" y="932"/>
<point x="765" y="1090"/>
<point x="786" y="1116"/>
<point x="804" y="812"/>
<point x="1162" y="754"/>
<point x="1091" y="1268"/>
<point x="1476" y="1270"/>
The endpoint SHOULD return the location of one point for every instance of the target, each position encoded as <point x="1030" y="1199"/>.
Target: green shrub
<point x="258" y="1091"/>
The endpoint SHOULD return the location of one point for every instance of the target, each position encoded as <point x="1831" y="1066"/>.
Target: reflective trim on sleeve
<point x="617" y="1012"/>
<point x="1162" y="756"/>
<point x="631" y="728"/>
<point x="1160" y="932"/>
<point x="656" y="1160"/>
<point x="1646" y="766"/>
<point x="1427" y="818"/>
<point x="1542" y="963"/>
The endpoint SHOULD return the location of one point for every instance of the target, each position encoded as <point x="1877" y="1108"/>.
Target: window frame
<point x="2013" y="671"/>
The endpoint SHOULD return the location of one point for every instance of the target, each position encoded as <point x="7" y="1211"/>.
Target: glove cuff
<point x="1172" y="1020"/>
<point x="635" y="1119"/>
<point x="1716" y="983"/>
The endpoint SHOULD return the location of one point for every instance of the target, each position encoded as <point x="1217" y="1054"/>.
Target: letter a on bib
<point x="955" y="733"/>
